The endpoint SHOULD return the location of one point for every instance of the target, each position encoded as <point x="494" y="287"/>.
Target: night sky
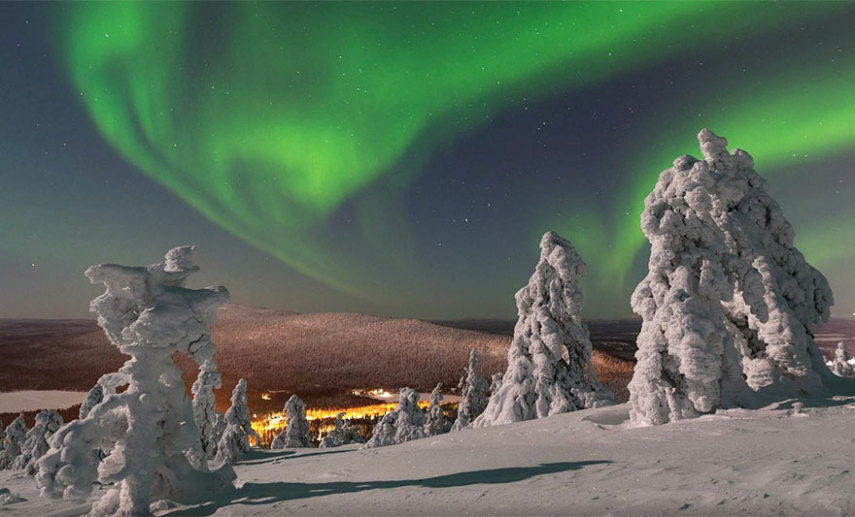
<point x="401" y="159"/>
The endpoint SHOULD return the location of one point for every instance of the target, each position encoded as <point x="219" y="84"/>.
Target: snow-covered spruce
<point x="729" y="303"/>
<point x="35" y="445"/>
<point x="435" y="421"/>
<point x="238" y="427"/>
<point x="342" y="434"/>
<point x="147" y="313"/>
<point x="473" y="392"/>
<point x="496" y="382"/>
<point x="205" y="408"/>
<point x="13" y="441"/>
<point x="549" y="361"/>
<point x="406" y="422"/>
<point x="841" y="365"/>
<point x="93" y="398"/>
<point x="296" y="433"/>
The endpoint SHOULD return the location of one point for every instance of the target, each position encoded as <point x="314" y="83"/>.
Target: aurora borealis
<point x="404" y="158"/>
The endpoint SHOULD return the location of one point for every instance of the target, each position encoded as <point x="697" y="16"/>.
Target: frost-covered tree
<point x="296" y="433"/>
<point x="473" y="394"/>
<point x="342" y="434"/>
<point x="235" y="437"/>
<point x="35" y="445"/>
<point x="148" y="314"/>
<point x="406" y="422"/>
<point x="13" y="441"/>
<point x="840" y="365"/>
<point x="549" y="361"/>
<point x="435" y="421"/>
<point x="205" y="407"/>
<point x="495" y="382"/>
<point x="93" y="398"/>
<point x="729" y="304"/>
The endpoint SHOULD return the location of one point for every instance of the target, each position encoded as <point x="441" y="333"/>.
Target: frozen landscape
<point x="774" y="461"/>
<point x="733" y="406"/>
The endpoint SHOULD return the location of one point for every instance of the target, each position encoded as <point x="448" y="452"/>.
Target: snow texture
<point x="296" y="433"/>
<point x="435" y="421"/>
<point x="238" y="427"/>
<point x="35" y="445"/>
<point x="841" y="365"/>
<point x="406" y="422"/>
<point x="729" y="304"/>
<point x="93" y="398"/>
<point x="205" y="409"/>
<point x="342" y="434"/>
<point x="13" y="441"/>
<point x="145" y="430"/>
<point x="473" y="394"/>
<point x="549" y="361"/>
<point x="770" y="461"/>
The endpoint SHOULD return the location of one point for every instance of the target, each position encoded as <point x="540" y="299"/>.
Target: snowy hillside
<point x="771" y="461"/>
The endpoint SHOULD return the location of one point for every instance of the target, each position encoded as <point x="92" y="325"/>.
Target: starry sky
<point x="401" y="159"/>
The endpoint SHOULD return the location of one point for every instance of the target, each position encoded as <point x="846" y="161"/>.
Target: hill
<point x="321" y="356"/>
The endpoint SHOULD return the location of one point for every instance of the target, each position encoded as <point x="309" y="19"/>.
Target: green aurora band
<point x="271" y="118"/>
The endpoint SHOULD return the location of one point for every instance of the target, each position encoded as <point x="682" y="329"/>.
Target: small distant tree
<point x="840" y="365"/>
<point x="238" y="430"/>
<point x="205" y="407"/>
<point x="343" y="434"/>
<point x="36" y="443"/>
<point x="93" y="398"/>
<point x="549" y="360"/>
<point x="406" y="422"/>
<point x="13" y="441"/>
<point x="473" y="393"/>
<point x="296" y="433"/>
<point x="435" y="422"/>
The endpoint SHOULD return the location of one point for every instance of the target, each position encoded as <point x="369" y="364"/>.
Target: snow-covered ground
<point x="15" y="401"/>
<point x="772" y="461"/>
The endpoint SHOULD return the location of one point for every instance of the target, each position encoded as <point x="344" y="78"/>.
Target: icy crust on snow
<point x="729" y="303"/>
<point x="549" y="361"/>
<point x="146" y="430"/>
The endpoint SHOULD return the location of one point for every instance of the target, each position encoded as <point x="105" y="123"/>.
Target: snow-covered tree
<point x="549" y="361"/>
<point x="93" y="398"/>
<point x="296" y="433"/>
<point x="13" y="441"/>
<point x="495" y="382"/>
<point x="841" y="365"/>
<point x="147" y="313"/>
<point x="473" y="394"/>
<point x="343" y="434"/>
<point x="729" y="304"/>
<point x="435" y="421"/>
<point x="205" y="407"/>
<point x="406" y="422"/>
<point x="235" y="437"/>
<point x="35" y="445"/>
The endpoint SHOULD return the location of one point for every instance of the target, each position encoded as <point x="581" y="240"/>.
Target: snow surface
<point x="32" y="400"/>
<point x="750" y="462"/>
